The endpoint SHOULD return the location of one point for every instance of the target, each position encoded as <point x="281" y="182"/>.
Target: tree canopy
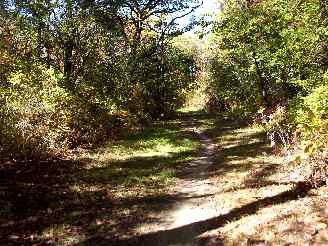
<point x="73" y="71"/>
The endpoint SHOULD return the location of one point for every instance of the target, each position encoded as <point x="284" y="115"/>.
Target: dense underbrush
<point x="39" y="119"/>
<point x="271" y="64"/>
<point x="302" y="138"/>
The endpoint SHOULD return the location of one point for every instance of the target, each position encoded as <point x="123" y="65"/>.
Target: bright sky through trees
<point x="209" y="6"/>
<point x="207" y="10"/>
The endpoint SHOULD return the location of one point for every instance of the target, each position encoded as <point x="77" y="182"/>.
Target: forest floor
<point x="196" y="180"/>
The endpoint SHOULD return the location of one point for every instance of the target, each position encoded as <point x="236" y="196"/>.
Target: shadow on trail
<point x="36" y="198"/>
<point x="39" y="198"/>
<point x="239" y="151"/>
<point x="189" y="233"/>
<point x="135" y="169"/>
<point x="223" y="163"/>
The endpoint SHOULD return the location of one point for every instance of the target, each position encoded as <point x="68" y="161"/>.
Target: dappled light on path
<point x="229" y="156"/>
<point x="195" y="180"/>
<point x="194" y="184"/>
<point x="234" y="189"/>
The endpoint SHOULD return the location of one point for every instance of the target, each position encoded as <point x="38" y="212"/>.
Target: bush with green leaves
<point x="40" y="119"/>
<point x="32" y="123"/>
<point x="311" y="111"/>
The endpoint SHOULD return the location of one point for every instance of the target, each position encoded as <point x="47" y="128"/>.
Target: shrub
<point x="311" y="111"/>
<point x="32" y="123"/>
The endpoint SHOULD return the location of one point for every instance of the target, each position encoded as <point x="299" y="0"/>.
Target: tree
<point x="265" y="47"/>
<point x="78" y="64"/>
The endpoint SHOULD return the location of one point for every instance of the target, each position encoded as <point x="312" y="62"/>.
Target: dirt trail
<point x="197" y="190"/>
<point x="229" y="192"/>
<point x="197" y="186"/>
<point x="233" y="194"/>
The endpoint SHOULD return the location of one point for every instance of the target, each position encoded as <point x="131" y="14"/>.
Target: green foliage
<point x="31" y="120"/>
<point x="73" y="73"/>
<point x="311" y="111"/>
<point x="317" y="102"/>
<point x="268" y="51"/>
<point x="271" y="53"/>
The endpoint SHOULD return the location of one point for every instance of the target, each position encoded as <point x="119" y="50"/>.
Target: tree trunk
<point x="68" y="50"/>
<point x="262" y="81"/>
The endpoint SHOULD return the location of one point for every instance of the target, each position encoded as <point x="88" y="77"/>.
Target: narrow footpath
<point x="195" y="187"/>
<point x="233" y="193"/>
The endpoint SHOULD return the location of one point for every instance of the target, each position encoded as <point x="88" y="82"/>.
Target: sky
<point x="208" y="7"/>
